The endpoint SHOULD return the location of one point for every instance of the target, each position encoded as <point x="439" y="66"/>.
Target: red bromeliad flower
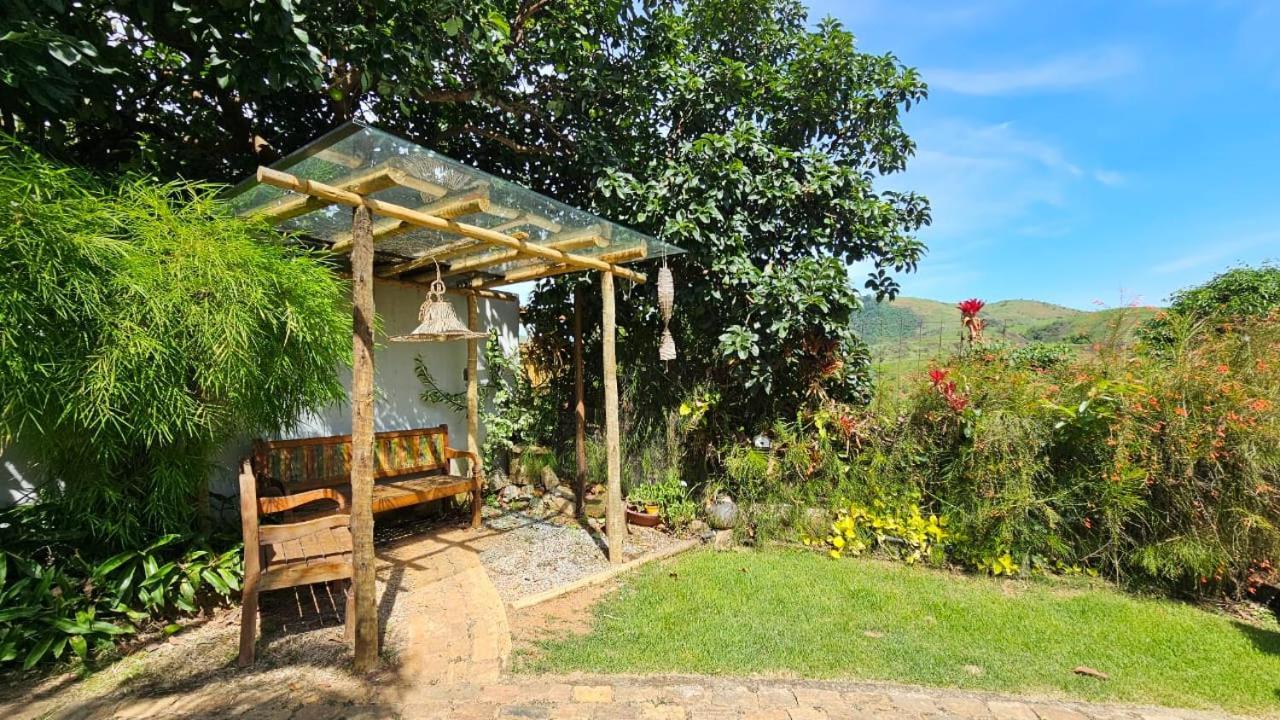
<point x="937" y="376"/>
<point x="971" y="307"/>
<point x="969" y="310"/>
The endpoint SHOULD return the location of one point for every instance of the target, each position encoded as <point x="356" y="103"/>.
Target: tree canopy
<point x="733" y="128"/>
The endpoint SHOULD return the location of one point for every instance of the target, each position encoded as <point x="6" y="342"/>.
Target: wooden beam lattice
<point x="591" y="236"/>
<point x="449" y="206"/>
<point x="330" y="194"/>
<point x="546" y="270"/>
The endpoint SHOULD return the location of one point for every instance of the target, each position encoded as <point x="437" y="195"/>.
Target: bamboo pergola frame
<point x="479" y="259"/>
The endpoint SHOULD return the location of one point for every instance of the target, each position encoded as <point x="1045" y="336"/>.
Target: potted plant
<point x="644" y="505"/>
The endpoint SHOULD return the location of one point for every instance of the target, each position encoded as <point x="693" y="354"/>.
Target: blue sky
<point x="1084" y="151"/>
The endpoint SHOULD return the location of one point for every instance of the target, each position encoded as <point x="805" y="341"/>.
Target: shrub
<point x="1148" y="467"/>
<point x="1042" y="355"/>
<point x="1238" y="294"/>
<point x="143" y="327"/>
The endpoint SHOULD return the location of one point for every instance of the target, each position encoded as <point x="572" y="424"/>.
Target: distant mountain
<point x="908" y="332"/>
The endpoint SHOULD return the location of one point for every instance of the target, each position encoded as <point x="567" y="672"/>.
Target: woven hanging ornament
<point x="667" y="348"/>
<point x="666" y="293"/>
<point x="437" y="321"/>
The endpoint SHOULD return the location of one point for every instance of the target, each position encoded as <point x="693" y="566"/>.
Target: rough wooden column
<point x="614" y="516"/>
<point x="366" y="642"/>
<point x="473" y="402"/>
<point x="579" y="409"/>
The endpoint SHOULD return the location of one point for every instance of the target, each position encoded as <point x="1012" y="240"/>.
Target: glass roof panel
<point x="392" y="169"/>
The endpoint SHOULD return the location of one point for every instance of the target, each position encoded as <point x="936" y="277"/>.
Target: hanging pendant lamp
<point x="436" y="320"/>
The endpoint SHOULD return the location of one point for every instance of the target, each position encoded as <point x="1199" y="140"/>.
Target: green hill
<point x="907" y="333"/>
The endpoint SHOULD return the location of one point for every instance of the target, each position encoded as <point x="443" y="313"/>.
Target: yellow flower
<point x="835" y="554"/>
<point x="838" y="542"/>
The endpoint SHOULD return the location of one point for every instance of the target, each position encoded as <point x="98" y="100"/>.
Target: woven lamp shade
<point x="666" y="293"/>
<point x="667" y="348"/>
<point x="436" y="320"/>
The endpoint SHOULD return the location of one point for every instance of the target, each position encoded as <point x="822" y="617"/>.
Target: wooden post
<point x="579" y="409"/>
<point x="473" y="405"/>
<point x="614" y="515"/>
<point x="366" y="643"/>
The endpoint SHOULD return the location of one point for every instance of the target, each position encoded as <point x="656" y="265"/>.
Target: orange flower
<point x="1180" y="411"/>
<point x="1259" y="405"/>
<point x="1223" y="369"/>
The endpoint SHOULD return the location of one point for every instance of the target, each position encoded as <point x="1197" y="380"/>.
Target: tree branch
<point x="499" y="138"/>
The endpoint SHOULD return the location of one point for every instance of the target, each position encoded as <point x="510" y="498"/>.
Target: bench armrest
<point x="451" y="454"/>
<point x="268" y="505"/>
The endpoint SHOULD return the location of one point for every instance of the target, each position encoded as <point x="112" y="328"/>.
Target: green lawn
<point x="797" y="613"/>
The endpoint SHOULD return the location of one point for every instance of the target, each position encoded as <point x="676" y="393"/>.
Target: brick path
<point x="452" y="644"/>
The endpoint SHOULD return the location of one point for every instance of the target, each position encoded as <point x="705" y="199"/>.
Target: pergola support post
<point x="579" y="410"/>
<point x="615" y="518"/>
<point x="363" y="585"/>
<point x="473" y="403"/>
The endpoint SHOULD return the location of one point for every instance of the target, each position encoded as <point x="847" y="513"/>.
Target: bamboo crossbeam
<point x="591" y="236"/>
<point x="450" y="206"/>
<point x="538" y="272"/>
<point x="331" y="194"/>
<point x="372" y="180"/>
<point x="460" y="248"/>
<point x="516" y="218"/>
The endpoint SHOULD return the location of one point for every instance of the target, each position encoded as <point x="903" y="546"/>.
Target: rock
<point x="722" y="540"/>
<point x="595" y="507"/>
<point x="697" y="528"/>
<point x="723" y="513"/>
<point x="558" y="504"/>
<point x="496" y="480"/>
<point x="508" y="493"/>
<point x="549" y="480"/>
<point x="526" y="491"/>
<point x="565" y="492"/>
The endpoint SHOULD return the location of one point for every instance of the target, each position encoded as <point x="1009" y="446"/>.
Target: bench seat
<point x="411" y="467"/>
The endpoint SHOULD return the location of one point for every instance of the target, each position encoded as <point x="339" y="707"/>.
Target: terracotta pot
<point x="643" y="519"/>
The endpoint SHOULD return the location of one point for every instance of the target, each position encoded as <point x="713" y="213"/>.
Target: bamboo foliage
<point x="143" y="327"/>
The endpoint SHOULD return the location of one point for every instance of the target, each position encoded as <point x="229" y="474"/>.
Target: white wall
<point x="397" y="403"/>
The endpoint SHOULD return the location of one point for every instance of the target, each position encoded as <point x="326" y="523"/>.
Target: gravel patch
<point x="535" y="550"/>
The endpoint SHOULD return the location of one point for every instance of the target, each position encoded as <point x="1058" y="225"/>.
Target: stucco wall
<point x="397" y="389"/>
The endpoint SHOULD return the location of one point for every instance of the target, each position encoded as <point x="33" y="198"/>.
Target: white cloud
<point x="1066" y="72"/>
<point x="1109" y="177"/>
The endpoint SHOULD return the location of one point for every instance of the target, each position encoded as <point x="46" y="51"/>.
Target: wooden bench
<point x="410" y="467"/>
<point x="314" y="550"/>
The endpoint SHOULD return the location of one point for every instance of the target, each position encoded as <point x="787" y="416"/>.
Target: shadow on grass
<point x="1267" y="641"/>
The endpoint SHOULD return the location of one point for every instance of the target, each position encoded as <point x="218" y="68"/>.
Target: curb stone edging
<point x="602" y="576"/>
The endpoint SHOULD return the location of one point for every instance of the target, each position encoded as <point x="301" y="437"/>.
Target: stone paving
<point x="453" y="645"/>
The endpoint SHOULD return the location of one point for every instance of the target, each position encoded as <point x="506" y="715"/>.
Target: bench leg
<point x="475" y="505"/>
<point x="248" y="623"/>
<point x="349" y="634"/>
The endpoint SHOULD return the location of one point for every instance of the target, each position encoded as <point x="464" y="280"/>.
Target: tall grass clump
<point x="142" y="326"/>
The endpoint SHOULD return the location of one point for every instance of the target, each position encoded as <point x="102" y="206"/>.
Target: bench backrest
<point x="291" y="466"/>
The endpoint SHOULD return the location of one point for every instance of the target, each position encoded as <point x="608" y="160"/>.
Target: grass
<point x="798" y="613"/>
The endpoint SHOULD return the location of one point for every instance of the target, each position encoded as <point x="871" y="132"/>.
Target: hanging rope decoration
<point x="437" y="321"/>
<point x="666" y="306"/>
